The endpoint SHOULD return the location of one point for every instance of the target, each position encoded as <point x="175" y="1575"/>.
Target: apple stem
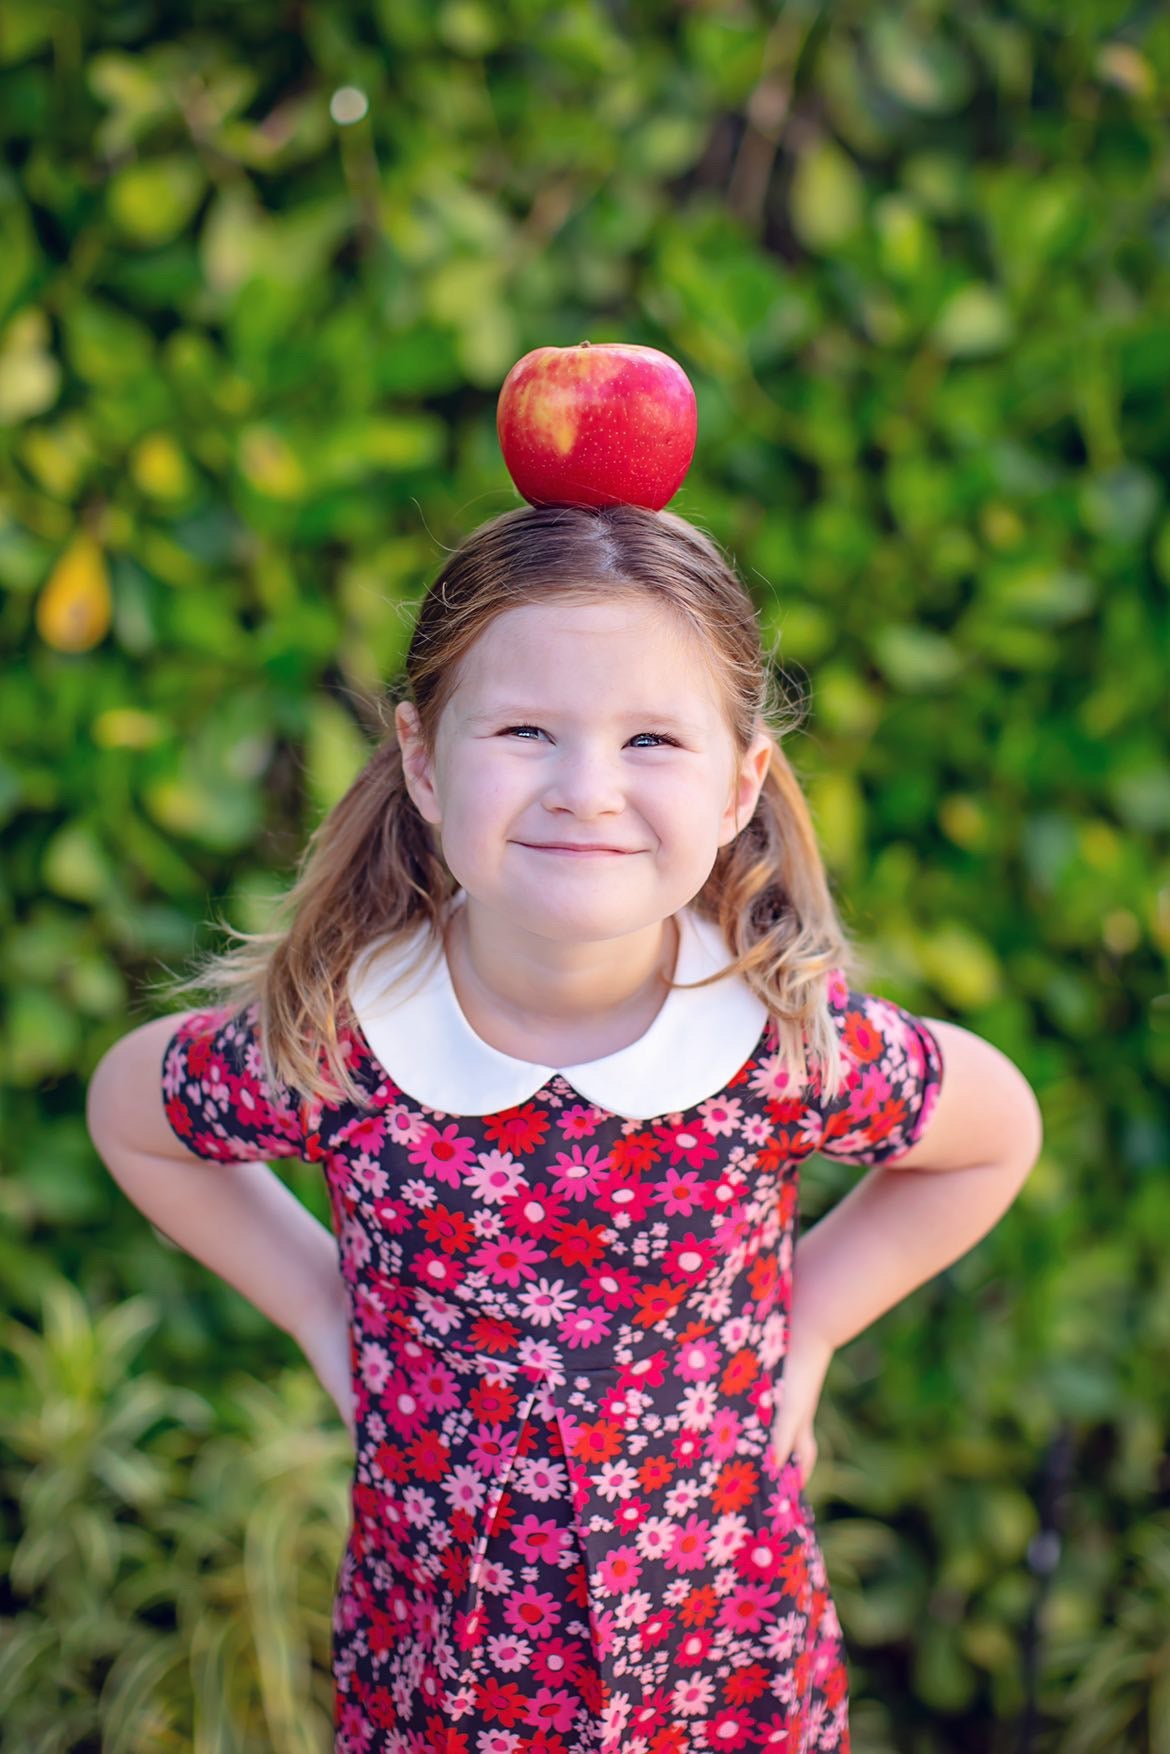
<point x="584" y="343"/>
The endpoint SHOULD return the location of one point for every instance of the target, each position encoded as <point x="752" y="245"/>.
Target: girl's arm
<point x="238" y="1218"/>
<point x="907" y="1220"/>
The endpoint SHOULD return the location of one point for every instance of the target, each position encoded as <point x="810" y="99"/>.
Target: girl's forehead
<point x="594" y="655"/>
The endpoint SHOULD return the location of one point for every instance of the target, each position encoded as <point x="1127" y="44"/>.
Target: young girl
<point x="561" y="1006"/>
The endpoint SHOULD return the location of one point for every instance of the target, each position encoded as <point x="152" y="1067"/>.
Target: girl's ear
<point x="748" y="786"/>
<point x="416" y="763"/>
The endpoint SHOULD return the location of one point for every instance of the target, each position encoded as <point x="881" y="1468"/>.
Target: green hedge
<point x="916" y="260"/>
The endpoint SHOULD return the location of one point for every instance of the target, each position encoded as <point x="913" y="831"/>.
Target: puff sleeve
<point x="215" y="1097"/>
<point x="894" y="1069"/>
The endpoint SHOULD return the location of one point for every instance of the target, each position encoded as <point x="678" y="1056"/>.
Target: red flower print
<point x="491" y="1333"/>
<point x="657" y="1302"/>
<point x="501" y="1702"/>
<point x="598" y="1442"/>
<point x="740" y="1370"/>
<point x="638" y="1151"/>
<point x="580" y="1244"/>
<point x="518" y="1130"/>
<point x="655" y="1472"/>
<point x="428" y="1456"/>
<point x="450" y="1230"/>
<point x="735" y="1486"/>
<point x="491" y="1400"/>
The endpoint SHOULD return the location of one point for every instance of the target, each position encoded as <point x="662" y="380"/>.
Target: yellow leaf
<point x="75" y="607"/>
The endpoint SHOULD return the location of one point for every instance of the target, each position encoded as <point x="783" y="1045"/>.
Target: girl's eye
<point x="658" y="735"/>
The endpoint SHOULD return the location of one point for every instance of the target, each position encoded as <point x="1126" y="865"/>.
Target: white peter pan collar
<point x="420" y="1036"/>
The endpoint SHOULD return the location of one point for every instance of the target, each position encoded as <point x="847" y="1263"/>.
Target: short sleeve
<point x="215" y="1097"/>
<point x="894" y="1069"/>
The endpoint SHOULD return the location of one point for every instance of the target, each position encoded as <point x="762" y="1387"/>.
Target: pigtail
<point x="370" y="867"/>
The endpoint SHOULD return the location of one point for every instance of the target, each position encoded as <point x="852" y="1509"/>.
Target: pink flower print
<point x="374" y="1364"/>
<point x="761" y="1556"/>
<point x="541" y="1480"/>
<point x="678" y="1192"/>
<point x="490" y="1448"/>
<point x="494" y="1175"/>
<point x="619" y="1571"/>
<point x="403" y="1125"/>
<point x="721" y="1115"/>
<point x="465" y="1489"/>
<point x="723" y="1434"/>
<point x="757" y="1129"/>
<point x="532" y="1611"/>
<point x="688" y="1258"/>
<point x="508" y="1259"/>
<point x="579" y="1120"/>
<point x="694" y="1697"/>
<point x="579" y="1174"/>
<point x="653" y="1540"/>
<point x="554" y="1710"/>
<point x="688" y="1144"/>
<point x="509" y="1653"/>
<point x="545" y="1303"/>
<point x="748" y="1607"/>
<point x="625" y="1193"/>
<point x="689" y="1547"/>
<point x="437" y="1388"/>
<point x="364" y="1136"/>
<point x="770" y="1078"/>
<point x="535" y="1539"/>
<point x="698" y="1360"/>
<point x="584" y="1327"/>
<point x="443" y="1154"/>
<point x="369" y="1175"/>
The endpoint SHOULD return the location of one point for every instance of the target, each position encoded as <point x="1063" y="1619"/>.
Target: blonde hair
<point x="372" y="867"/>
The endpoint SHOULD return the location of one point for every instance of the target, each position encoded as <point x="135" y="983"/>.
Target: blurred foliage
<point x="264" y="269"/>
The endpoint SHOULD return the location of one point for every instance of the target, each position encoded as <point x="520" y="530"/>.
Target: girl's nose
<point x="587" y="784"/>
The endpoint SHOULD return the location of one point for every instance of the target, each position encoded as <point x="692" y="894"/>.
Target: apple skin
<point x="609" y="423"/>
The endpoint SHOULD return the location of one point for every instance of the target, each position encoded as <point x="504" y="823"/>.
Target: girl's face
<point x="590" y="725"/>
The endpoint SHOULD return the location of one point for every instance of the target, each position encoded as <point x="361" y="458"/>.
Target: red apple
<point x="597" y="425"/>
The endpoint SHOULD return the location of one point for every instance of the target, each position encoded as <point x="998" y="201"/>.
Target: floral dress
<point x="570" y="1533"/>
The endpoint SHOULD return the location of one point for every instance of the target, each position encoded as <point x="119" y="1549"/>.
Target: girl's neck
<point x="559" y="1004"/>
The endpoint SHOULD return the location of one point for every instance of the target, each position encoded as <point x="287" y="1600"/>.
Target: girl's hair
<point x="372" y="867"/>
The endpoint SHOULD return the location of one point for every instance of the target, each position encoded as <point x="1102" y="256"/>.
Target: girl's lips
<point x="574" y="852"/>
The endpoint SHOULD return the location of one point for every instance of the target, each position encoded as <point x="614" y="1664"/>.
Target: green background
<point x="916" y="261"/>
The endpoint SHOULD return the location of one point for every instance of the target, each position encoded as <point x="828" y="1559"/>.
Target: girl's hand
<point x="324" y="1340"/>
<point x="805" y="1366"/>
